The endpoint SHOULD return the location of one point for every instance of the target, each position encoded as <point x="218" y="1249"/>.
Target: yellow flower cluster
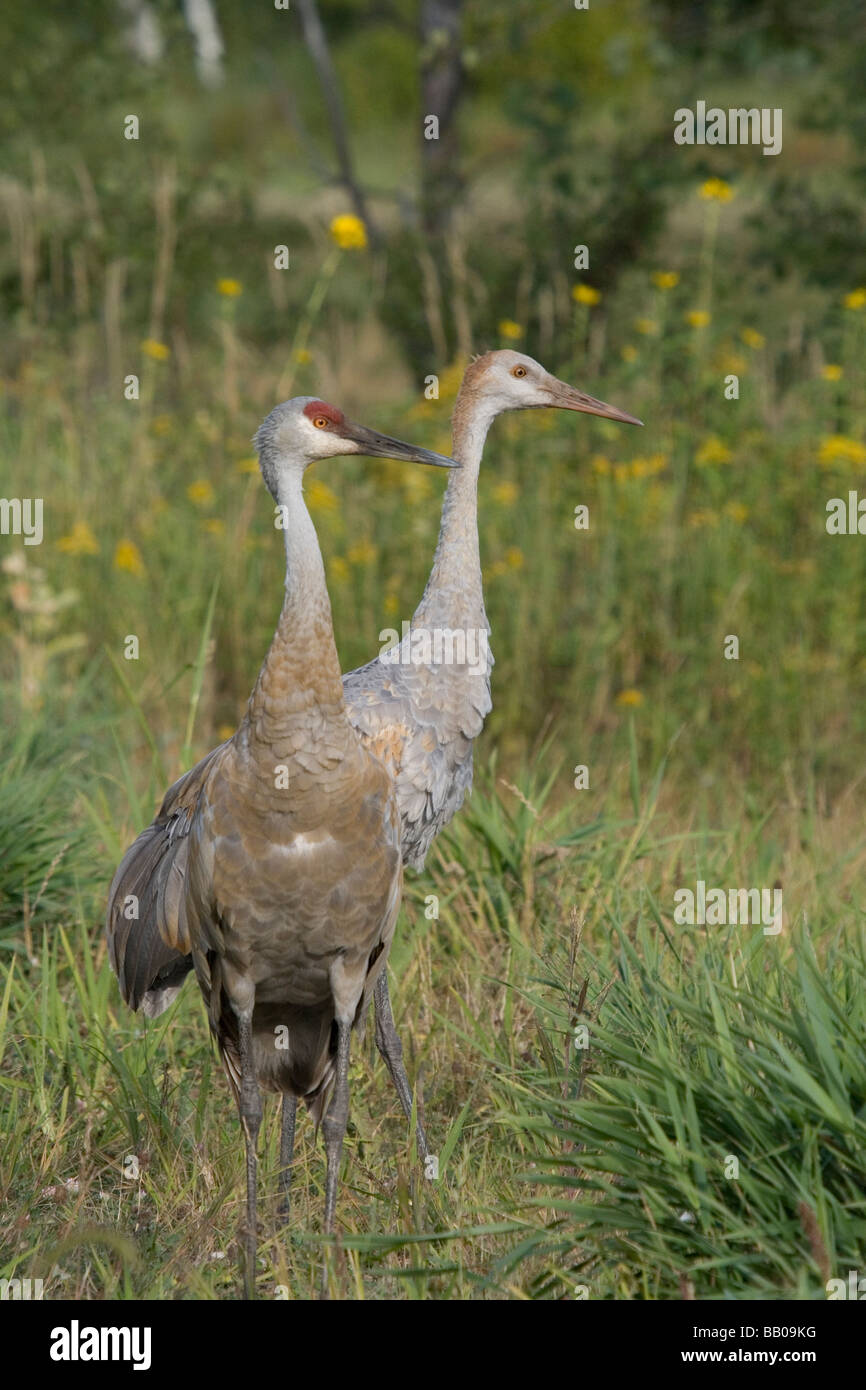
<point x="159" y="352"/>
<point x="348" y="232"/>
<point x="838" y="448"/>
<point x="832" y="372"/>
<point x="79" y="541"/>
<point x="644" y="466"/>
<point x="506" y="493"/>
<point x="712" y="451"/>
<point x="201" y="492"/>
<point x="321" y="498"/>
<point x="665" y="279"/>
<point x="648" y="327"/>
<point x="716" y="190"/>
<point x="230" y="288"/>
<point x="856" y="299"/>
<point x="737" y="511"/>
<point x="629" y="699"/>
<point x="585" y="294"/>
<point x="698" y="318"/>
<point x="362" y="552"/>
<point x="752" y="338"/>
<point x="127" y="556"/>
<point x="509" y="329"/>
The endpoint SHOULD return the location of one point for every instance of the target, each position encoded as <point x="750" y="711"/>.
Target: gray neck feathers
<point x="454" y="592"/>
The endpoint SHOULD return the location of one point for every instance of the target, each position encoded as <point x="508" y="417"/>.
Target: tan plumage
<point x="273" y="867"/>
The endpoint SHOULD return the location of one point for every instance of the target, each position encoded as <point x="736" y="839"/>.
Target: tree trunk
<point x="317" y="44"/>
<point x="441" y="88"/>
<point x="203" y="24"/>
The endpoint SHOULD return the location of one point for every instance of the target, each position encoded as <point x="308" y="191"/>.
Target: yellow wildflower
<point x="214" y="525"/>
<point x="629" y="699"/>
<point x="514" y="557"/>
<point x="665" y="279"/>
<point x="856" y="299"/>
<point x="321" y="498"/>
<point x="832" y="372"/>
<point x="362" y="553"/>
<point x="506" y="493"/>
<point x="646" y="326"/>
<point x="698" y="318"/>
<point x="339" y="569"/>
<point x="585" y="294"/>
<point x="838" y="448"/>
<point x="416" y="481"/>
<point x="646" y="466"/>
<point x="79" y="541"/>
<point x="391" y="605"/>
<point x="731" y="362"/>
<point x="752" y="338"/>
<point x="736" y="511"/>
<point x="127" y="556"/>
<point x="600" y="464"/>
<point x="716" y="190"/>
<point x="201" y="492"/>
<point x="712" y="451"/>
<point x="158" y="351"/>
<point x="247" y="466"/>
<point x="628" y="353"/>
<point x="303" y="356"/>
<point x="703" y="517"/>
<point x="509" y="329"/>
<point x="349" y="232"/>
<point x="230" y="288"/>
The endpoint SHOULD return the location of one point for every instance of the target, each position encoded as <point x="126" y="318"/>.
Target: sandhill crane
<point x="421" y="716"/>
<point x="273" y="868"/>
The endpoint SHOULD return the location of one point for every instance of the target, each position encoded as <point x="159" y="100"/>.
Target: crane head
<point x="508" y="380"/>
<point x="304" y="429"/>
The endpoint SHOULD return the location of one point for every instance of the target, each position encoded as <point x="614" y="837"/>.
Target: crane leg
<point x="287" y="1150"/>
<point x="391" y="1048"/>
<point x="251" y="1119"/>
<point x="334" y="1129"/>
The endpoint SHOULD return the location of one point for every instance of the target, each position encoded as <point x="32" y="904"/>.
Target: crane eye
<point x="518" y="371"/>
<point x="321" y="422"/>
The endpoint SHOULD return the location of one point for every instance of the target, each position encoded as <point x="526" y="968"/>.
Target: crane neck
<point x="300" y="682"/>
<point x="454" y="589"/>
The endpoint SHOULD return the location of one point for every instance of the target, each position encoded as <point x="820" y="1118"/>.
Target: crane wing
<point x="148" y="938"/>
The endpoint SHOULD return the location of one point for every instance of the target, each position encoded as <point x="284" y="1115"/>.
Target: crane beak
<point x="567" y="397"/>
<point x="383" y="446"/>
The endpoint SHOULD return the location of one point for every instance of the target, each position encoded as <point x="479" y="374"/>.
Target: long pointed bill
<point x="383" y="446"/>
<point x="569" y="398"/>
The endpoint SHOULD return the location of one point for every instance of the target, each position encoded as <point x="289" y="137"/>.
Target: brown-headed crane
<point x="421" y="717"/>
